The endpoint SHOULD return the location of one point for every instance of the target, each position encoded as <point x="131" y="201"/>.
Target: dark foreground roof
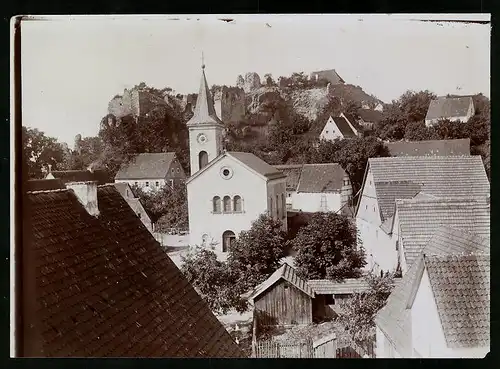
<point x="432" y="147"/>
<point x="104" y="286"/>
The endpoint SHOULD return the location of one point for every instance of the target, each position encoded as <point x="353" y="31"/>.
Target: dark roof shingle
<point x="343" y="127"/>
<point x="146" y="166"/>
<point x="319" y="178"/>
<point x="448" y="107"/>
<point x="105" y="287"/>
<point x="432" y="147"/>
<point x="461" y="288"/>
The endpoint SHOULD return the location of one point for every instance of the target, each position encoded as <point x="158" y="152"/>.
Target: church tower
<point x="205" y="129"/>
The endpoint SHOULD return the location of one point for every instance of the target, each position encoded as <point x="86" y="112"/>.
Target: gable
<point x="146" y="166"/>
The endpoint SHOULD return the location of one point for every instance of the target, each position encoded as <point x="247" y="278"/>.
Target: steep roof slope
<point x="146" y="166"/>
<point x="204" y="112"/>
<point x="394" y="318"/>
<point x="257" y="164"/>
<point x="432" y="147"/>
<point x="344" y="127"/>
<point x="442" y="176"/>
<point x="419" y="220"/>
<point x="388" y="192"/>
<point x="461" y="288"/>
<point x="449" y="107"/>
<point x="320" y="178"/>
<point x="104" y="286"/>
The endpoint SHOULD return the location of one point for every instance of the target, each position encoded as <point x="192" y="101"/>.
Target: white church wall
<point x="201" y="191"/>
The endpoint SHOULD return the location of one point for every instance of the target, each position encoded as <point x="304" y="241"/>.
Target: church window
<point x="202" y="159"/>
<point x="237" y="203"/>
<point x="216" y="204"/>
<point x="226" y="172"/>
<point x="227" y="204"/>
<point x="228" y="238"/>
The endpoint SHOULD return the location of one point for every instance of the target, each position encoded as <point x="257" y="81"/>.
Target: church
<point x="226" y="191"/>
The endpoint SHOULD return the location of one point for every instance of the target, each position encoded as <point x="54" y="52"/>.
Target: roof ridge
<point x="420" y="157"/>
<point x="47" y="191"/>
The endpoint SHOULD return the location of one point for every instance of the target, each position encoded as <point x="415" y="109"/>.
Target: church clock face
<point x="202" y="138"/>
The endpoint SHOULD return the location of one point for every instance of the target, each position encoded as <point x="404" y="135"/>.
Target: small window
<point x="216" y="204"/>
<point x="178" y="170"/>
<point x="147" y="184"/>
<point x="227" y="204"/>
<point x="289" y="194"/>
<point x="157" y="184"/>
<point x="374" y="209"/>
<point x="366" y="207"/>
<point x="172" y="170"/>
<point x="326" y="132"/>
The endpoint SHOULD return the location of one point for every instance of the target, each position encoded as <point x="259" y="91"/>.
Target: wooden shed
<point x="283" y="299"/>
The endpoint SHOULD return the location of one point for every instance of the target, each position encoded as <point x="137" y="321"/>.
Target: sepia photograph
<point x="250" y="186"/>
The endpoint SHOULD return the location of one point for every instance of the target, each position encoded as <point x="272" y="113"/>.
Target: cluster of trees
<point x="325" y="248"/>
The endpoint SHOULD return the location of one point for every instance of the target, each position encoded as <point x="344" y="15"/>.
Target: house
<point x="227" y="191"/>
<point x="292" y="172"/>
<point x="92" y="281"/>
<point x="135" y="204"/>
<point x="456" y="109"/>
<point x="283" y="299"/>
<point x="340" y="127"/>
<point x="447" y="288"/>
<point x="330" y="75"/>
<point x="392" y="178"/>
<point x="415" y="221"/>
<point x="152" y="171"/>
<point x="428" y="148"/>
<point x="368" y="118"/>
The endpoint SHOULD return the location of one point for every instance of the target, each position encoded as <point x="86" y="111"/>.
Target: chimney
<point x="50" y="168"/>
<point x="86" y="192"/>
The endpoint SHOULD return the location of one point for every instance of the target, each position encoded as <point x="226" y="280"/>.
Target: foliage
<point x="351" y="154"/>
<point x="327" y="248"/>
<point x="90" y="151"/>
<point x="167" y="206"/>
<point x="359" y="312"/>
<point x="256" y="253"/>
<point x="213" y="280"/>
<point x="39" y="151"/>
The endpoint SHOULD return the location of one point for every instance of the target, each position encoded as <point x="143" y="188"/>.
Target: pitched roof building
<point x="330" y="75"/>
<point x="430" y="148"/>
<point x="95" y="283"/>
<point x="459" y="108"/>
<point x="448" y="288"/>
<point x="320" y="178"/>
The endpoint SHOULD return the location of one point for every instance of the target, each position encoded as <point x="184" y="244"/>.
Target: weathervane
<point x="202" y="61"/>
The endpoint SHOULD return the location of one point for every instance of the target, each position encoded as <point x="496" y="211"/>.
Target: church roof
<point x="204" y="112"/>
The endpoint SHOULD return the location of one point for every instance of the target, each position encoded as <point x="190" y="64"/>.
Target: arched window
<point x="237" y="203"/>
<point x="216" y="204"/>
<point x="227" y="204"/>
<point x="202" y="159"/>
<point x="227" y="239"/>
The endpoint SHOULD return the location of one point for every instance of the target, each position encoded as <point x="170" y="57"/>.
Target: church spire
<point x="204" y="112"/>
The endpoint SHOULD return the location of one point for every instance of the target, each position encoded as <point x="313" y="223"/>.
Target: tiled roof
<point x="287" y="273"/>
<point x="73" y="175"/>
<point x="394" y="318"/>
<point x="343" y="127"/>
<point x="104" y="286"/>
<point x="448" y="107"/>
<point x="146" y="166"/>
<point x="443" y="176"/>
<point x="388" y="192"/>
<point x="461" y="288"/>
<point x="347" y="286"/>
<point x="257" y="164"/>
<point x="292" y="173"/>
<point x="319" y="178"/>
<point x="44" y="184"/>
<point x="419" y="220"/>
<point x="432" y="147"/>
<point x="204" y="112"/>
<point x="122" y="188"/>
<point x="370" y="116"/>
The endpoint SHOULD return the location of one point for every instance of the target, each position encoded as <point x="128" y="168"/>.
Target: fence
<point x="328" y="347"/>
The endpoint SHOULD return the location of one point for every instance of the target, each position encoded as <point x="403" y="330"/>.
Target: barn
<point x="283" y="299"/>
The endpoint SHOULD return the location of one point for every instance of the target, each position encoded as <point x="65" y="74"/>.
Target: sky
<point x="73" y="66"/>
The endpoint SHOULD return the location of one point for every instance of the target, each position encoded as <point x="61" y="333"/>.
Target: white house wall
<point x="427" y="333"/>
<point x="384" y="348"/>
<point x="311" y="202"/>
<point x="141" y="183"/>
<point x="251" y="187"/>
<point x="330" y="131"/>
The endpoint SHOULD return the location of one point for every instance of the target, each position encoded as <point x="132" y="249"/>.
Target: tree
<point x="256" y="253"/>
<point x="418" y="131"/>
<point x="447" y="130"/>
<point x="213" y="280"/>
<point x="414" y="105"/>
<point x="269" y="80"/>
<point x="40" y="151"/>
<point x="167" y="206"/>
<point x="327" y="248"/>
<point x="359" y="312"/>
